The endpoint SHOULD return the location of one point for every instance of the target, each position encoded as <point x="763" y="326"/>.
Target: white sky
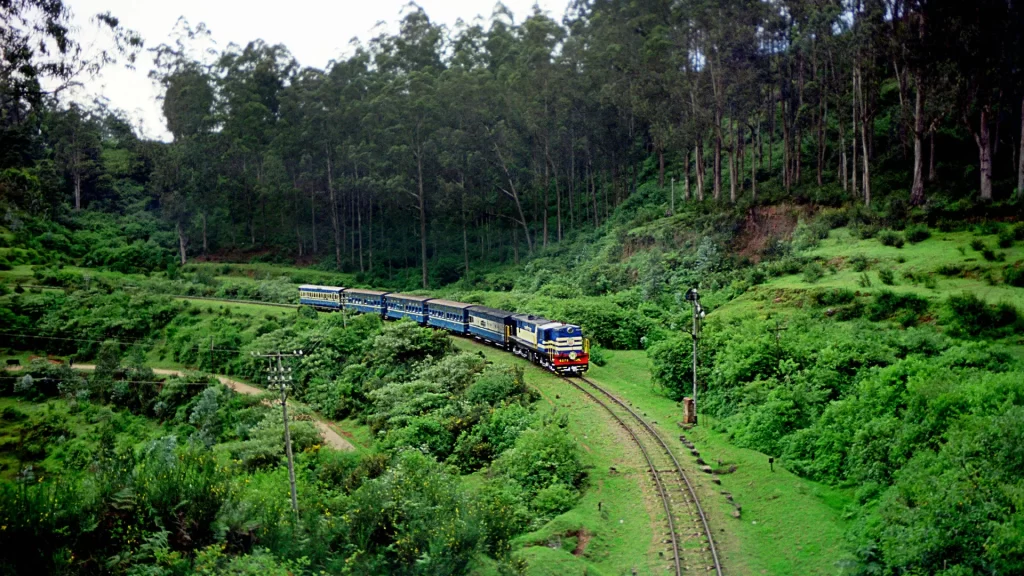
<point x="315" y="31"/>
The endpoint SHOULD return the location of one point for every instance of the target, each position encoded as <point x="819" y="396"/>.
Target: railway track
<point x="689" y="535"/>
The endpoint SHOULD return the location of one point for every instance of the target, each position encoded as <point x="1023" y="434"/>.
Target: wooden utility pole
<point x="281" y="377"/>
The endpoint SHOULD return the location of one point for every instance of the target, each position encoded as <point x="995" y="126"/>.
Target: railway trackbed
<point x="689" y="535"/>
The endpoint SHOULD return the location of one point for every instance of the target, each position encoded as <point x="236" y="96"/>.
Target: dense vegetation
<point x="180" y="475"/>
<point x="865" y="329"/>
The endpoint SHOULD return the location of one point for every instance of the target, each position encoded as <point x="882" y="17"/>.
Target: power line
<point x="282" y="377"/>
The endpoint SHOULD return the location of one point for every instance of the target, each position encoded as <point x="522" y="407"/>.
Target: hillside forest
<point x="841" y="180"/>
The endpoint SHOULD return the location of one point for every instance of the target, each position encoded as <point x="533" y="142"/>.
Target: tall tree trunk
<point x="686" y="174"/>
<point x="853" y="137"/>
<point x="753" y="169"/>
<point x="335" y="219"/>
<point x="465" y="234"/>
<point x="661" y="168"/>
<point x="514" y="194"/>
<point x="206" y="245"/>
<point x="931" y="154"/>
<point x="78" y="189"/>
<point x="547" y="184"/>
<point x="699" y="160"/>
<point x="558" y="194"/>
<point x="182" y="242"/>
<point x="983" y="138"/>
<point x="822" y="120"/>
<point x="359" y="231"/>
<point x="312" y="218"/>
<point x="423" y="217"/>
<point x="917" y="188"/>
<point x="593" y="193"/>
<point x="717" y="174"/>
<point x="369" y="245"/>
<point x="1020" y="156"/>
<point x="732" y="160"/>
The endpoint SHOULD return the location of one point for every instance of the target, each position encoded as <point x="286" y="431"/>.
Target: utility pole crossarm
<point x="282" y="378"/>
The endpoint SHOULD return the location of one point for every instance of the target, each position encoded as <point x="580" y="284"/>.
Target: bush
<point x="977" y="245"/>
<point x="970" y="315"/>
<point x="1006" y="237"/>
<point x="864" y="281"/>
<point x="1014" y="277"/>
<point x="4" y="264"/>
<point x="989" y="254"/>
<point x="887" y="276"/>
<point x="1018" y="231"/>
<point x="917" y="233"/>
<point x="813" y="272"/>
<point x="950" y="270"/>
<point x="834" y="297"/>
<point x="867" y="231"/>
<point x="859" y="262"/>
<point x="890" y="238"/>
<point x="904" y="307"/>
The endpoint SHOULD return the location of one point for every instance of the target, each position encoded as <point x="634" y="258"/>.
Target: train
<point x="556" y="346"/>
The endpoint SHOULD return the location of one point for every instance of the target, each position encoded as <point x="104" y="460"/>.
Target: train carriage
<point x="366" y="301"/>
<point x="489" y="324"/>
<point x="450" y="315"/>
<point x="399" y="306"/>
<point x="555" y="345"/>
<point x="323" y="297"/>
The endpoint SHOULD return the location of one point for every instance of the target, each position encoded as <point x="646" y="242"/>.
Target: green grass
<point x="923" y="258"/>
<point x="788" y="525"/>
<point x="623" y="536"/>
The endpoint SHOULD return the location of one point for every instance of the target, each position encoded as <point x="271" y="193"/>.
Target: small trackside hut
<point x="366" y="301"/>
<point x="448" y="314"/>
<point x="322" y="297"/>
<point x="401" y="306"/>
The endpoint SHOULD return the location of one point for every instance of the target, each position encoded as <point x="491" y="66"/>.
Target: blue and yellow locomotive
<point x="557" y="346"/>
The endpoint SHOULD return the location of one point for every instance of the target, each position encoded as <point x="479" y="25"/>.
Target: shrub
<point x="1014" y="277"/>
<point x="4" y="264"/>
<point x="887" y="276"/>
<point x="917" y="233"/>
<point x="834" y="297"/>
<point x="904" y="307"/>
<point x="891" y="238"/>
<point x="859" y="262"/>
<point x="813" y="272"/>
<point x="1018" y="231"/>
<point x="950" y="270"/>
<point x="864" y="281"/>
<point x="785" y="267"/>
<point x="1006" y="237"/>
<point x="989" y="254"/>
<point x="977" y="245"/>
<point x="970" y="315"/>
<point x="867" y="231"/>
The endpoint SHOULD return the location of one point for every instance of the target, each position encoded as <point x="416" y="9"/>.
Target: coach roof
<point x="363" y="291"/>
<point x="490" y="311"/>
<point x="449" y="303"/>
<point x="409" y="297"/>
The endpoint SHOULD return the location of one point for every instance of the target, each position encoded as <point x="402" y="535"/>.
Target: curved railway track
<point x="691" y="549"/>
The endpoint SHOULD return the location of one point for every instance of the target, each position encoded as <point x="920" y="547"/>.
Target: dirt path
<point x="331" y="438"/>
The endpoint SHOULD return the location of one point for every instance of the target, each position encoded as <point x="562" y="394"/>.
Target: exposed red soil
<point x="765" y="225"/>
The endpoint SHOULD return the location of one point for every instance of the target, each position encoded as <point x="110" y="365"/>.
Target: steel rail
<point x="679" y="469"/>
<point x="654" y="470"/>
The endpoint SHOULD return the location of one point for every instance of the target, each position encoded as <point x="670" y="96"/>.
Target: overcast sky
<point x="315" y="31"/>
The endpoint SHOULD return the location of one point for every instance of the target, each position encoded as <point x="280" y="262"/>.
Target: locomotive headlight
<point x="572" y="355"/>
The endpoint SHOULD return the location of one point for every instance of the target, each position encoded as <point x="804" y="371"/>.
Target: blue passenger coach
<point x="366" y="301"/>
<point x="330" y="297"/>
<point x="450" y="315"/>
<point x="405" y="306"/>
<point x="489" y="324"/>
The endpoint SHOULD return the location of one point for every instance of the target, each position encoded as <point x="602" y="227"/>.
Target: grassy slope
<point x="622" y="535"/>
<point x="789" y="525"/>
<point x="943" y="248"/>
